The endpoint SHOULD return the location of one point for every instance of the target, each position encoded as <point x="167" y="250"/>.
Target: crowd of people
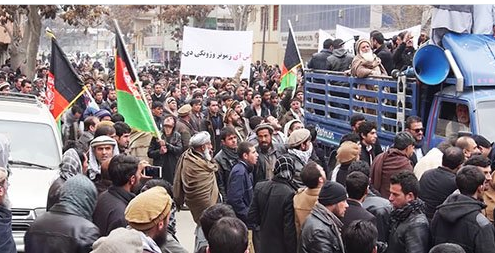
<point x="242" y="159"/>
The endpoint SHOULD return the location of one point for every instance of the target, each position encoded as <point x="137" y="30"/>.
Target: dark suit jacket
<point x="356" y="212"/>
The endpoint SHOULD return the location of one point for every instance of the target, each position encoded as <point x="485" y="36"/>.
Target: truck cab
<point x="463" y="101"/>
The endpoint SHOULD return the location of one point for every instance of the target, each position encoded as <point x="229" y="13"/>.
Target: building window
<point x="275" y="17"/>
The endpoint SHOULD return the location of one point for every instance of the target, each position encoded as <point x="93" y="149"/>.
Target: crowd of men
<point x="243" y="160"/>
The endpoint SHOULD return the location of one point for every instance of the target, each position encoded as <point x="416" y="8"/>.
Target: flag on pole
<point x="292" y="60"/>
<point x="130" y="103"/>
<point x="63" y="85"/>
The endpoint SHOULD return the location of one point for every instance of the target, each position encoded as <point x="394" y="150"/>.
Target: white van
<point x="35" y="155"/>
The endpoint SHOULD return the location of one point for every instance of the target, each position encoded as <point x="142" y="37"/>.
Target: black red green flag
<point x="63" y="85"/>
<point x="288" y="77"/>
<point x="130" y="103"/>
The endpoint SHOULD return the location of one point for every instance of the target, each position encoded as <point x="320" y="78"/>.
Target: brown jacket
<point x="361" y="68"/>
<point x="385" y="165"/>
<point x="304" y="201"/>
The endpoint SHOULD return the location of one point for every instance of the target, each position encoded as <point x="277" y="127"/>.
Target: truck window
<point x="453" y="118"/>
<point x="486" y="111"/>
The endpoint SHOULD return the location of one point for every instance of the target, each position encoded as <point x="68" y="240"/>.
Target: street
<point x="185" y="229"/>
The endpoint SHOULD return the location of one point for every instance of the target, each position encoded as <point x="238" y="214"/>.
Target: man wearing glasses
<point x="415" y="127"/>
<point x="7" y="243"/>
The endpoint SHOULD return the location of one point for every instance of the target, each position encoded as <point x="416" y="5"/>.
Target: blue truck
<point x="461" y="74"/>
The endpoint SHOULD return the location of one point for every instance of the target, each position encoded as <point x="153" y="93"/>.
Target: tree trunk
<point x="31" y="41"/>
<point x="24" y="47"/>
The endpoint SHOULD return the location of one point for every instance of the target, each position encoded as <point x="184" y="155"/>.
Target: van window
<point x="453" y="118"/>
<point x="31" y="142"/>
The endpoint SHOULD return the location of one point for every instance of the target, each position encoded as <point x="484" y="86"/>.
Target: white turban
<point x="199" y="139"/>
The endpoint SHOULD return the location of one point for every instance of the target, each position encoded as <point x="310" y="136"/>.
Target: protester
<point x="7" y="243"/>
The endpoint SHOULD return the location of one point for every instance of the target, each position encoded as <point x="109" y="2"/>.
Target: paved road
<point x="185" y="230"/>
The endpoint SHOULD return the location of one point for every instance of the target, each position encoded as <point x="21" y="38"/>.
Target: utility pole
<point x="264" y="22"/>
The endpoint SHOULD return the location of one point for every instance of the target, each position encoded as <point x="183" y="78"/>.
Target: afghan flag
<point x="292" y="60"/>
<point x="130" y="103"/>
<point x="63" y="85"/>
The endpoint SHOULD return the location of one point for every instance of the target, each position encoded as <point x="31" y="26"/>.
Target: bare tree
<point x="24" y="28"/>
<point x="240" y="15"/>
<point x="405" y="16"/>
<point x="179" y="15"/>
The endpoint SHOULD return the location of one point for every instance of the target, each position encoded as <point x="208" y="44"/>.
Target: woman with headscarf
<point x="272" y="209"/>
<point x="73" y="162"/>
<point x="67" y="226"/>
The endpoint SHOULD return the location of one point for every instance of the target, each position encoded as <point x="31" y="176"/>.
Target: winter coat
<point x="459" y="220"/>
<point x="167" y="161"/>
<point x="266" y="161"/>
<point x="60" y="231"/>
<point x="435" y="186"/>
<point x="355" y="211"/>
<point x="319" y="60"/>
<point x="411" y="234"/>
<point x="321" y="232"/>
<point x="385" y="166"/>
<point x="213" y="125"/>
<point x="386" y="57"/>
<point x="240" y="190"/>
<point x="185" y="130"/>
<point x="272" y="210"/>
<point x="381" y="209"/>
<point x="304" y="201"/>
<point x="226" y="159"/>
<point x="340" y="60"/>
<point x="110" y="207"/>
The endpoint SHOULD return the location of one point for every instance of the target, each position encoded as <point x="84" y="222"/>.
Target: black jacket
<point x="435" y="186"/>
<point x="321" y="232"/>
<point x="272" y="210"/>
<point x="355" y="211"/>
<point x="167" y="161"/>
<point x="410" y="235"/>
<point x="60" y="231"/>
<point x="225" y="160"/>
<point x="110" y="207"/>
<point x="319" y="60"/>
<point x="459" y="220"/>
<point x="380" y="208"/>
<point x="386" y="57"/>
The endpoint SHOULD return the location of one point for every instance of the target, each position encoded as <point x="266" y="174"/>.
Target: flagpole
<point x="137" y="82"/>
<point x="298" y="54"/>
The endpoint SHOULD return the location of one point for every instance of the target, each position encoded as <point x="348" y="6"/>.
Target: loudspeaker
<point x="431" y="65"/>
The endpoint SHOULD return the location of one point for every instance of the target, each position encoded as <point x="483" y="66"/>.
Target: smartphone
<point x="153" y="171"/>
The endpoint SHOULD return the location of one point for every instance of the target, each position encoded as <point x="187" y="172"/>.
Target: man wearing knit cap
<point x="183" y="125"/>
<point x="322" y="230"/>
<point x="195" y="182"/>
<point x="347" y="153"/>
<point x="300" y="149"/>
<point x="268" y="151"/>
<point x="148" y="213"/>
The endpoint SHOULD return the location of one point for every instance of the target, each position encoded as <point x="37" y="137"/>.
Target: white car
<point x="35" y="155"/>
